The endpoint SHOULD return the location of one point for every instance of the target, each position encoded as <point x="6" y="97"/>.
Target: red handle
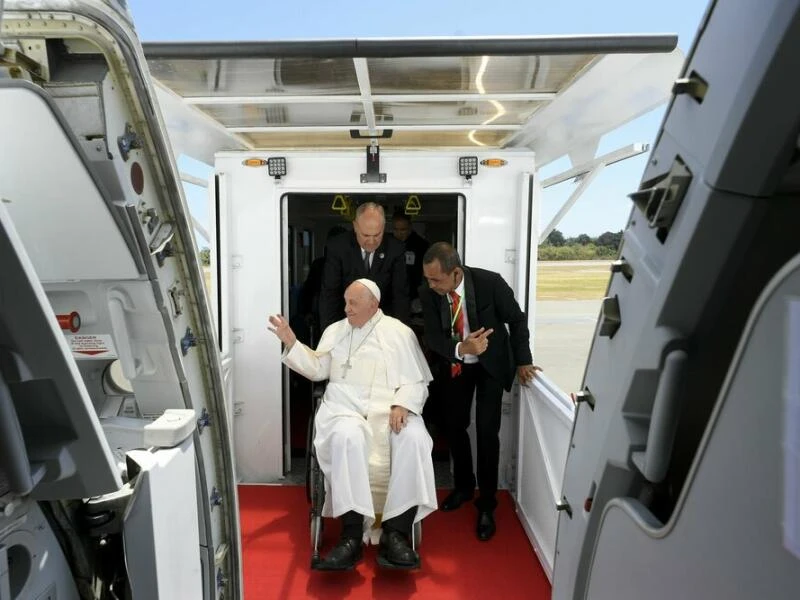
<point x="72" y="321"/>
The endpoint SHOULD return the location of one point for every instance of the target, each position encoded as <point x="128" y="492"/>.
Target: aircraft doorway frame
<point x="285" y="195"/>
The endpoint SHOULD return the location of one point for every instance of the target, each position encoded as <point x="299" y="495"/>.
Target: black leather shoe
<point x="486" y="527"/>
<point x="342" y="557"/>
<point x="395" y="552"/>
<point x="455" y="499"/>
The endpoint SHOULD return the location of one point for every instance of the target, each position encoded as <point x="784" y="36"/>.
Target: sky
<point x="603" y="207"/>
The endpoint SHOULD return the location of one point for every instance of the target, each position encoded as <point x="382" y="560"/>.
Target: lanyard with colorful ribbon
<point x="455" y="315"/>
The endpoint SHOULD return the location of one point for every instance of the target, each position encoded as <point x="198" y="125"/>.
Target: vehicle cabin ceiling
<point x="410" y="93"/>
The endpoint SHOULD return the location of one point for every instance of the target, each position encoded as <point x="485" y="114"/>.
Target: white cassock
<point x="373" y="470"/>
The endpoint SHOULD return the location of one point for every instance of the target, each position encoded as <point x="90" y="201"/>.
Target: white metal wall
<point x="546" y="415"/>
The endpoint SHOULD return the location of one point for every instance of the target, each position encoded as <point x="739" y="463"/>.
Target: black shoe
<point x="395" y="552"/>
<point x="342" y="557"/>
<point x="455" y="499"/>
<point x="486" y="527"/>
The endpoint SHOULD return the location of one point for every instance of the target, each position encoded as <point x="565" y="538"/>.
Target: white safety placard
<point x="91" y="346"/>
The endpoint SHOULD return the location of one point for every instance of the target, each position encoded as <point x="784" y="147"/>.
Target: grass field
<point x="572" y="280"/>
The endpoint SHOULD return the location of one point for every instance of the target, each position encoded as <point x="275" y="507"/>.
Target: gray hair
<point x="362" y="208"/>
<point x="446" y="255"/>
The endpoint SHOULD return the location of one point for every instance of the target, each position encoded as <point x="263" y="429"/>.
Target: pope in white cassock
<point x="371" y="442"/>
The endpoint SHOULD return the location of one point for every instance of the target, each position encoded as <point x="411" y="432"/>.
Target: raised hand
<point x="476" y="342"/>
<point x="280" y="327"/>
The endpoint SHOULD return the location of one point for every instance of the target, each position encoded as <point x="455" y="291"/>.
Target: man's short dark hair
<point x="399" y="216"/>
<point x="334" y="231"/>
<point x="446" y="255"/>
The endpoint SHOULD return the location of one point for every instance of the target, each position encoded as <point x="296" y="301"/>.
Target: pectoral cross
<point x="345" y="367"/>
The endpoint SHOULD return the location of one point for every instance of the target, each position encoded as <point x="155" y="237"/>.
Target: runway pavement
<point x="562" y="339"/>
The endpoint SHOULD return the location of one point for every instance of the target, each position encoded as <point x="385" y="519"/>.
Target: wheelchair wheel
<point x="316" y="398"/>
<point x="416" y="535"/>
<point x="317" y="484"/>
<point x="317" y="527"/>
<point x="309" y="457"/>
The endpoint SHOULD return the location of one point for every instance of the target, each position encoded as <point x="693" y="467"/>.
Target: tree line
<point x="555" y="247"/>
<point x="582" y="247"/>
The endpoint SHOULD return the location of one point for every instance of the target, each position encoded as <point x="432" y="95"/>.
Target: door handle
<point x="654" y="460"/>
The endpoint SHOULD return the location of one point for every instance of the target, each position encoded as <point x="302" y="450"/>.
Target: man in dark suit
<point x="415" y="246"/>
<point x="364" y="253"/>
<point x="466" y="312"/>
<point x="308" y="302"/>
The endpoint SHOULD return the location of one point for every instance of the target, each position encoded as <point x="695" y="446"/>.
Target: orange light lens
<point x="494" y="162"/>
<point x="254" y="162"/>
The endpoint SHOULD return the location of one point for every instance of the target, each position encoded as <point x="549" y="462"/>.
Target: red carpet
<point x="276" y="542"/>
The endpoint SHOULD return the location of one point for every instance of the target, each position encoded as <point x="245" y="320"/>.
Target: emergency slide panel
<point x="52" y="444"/>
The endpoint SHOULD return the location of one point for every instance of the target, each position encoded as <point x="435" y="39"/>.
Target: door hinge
<point x="564" y="506"/>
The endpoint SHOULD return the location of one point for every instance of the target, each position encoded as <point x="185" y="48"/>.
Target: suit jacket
<point x="344" y="264"/>
<point x="490" y="303"/>
<point x="415" y="246"/>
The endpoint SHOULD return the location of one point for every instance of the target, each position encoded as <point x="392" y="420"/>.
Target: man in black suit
<point x="466" y="311"/>
<point x="364" y="253"/>
<point x="415" y="246"/>
<point x="308" y="302"/>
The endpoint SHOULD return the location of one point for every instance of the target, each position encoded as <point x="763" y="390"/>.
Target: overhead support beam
<point x="416" y="47"/>
<point x="198" y="227"/>
<point x="362" y="74"/>
<point x="577" y="192"/>
<point x="607" y="159"/>
<point x="275" y="99"/>
<point x="349" y="98"/>
<point x="467" y="97"/>
<point x="588" y="172"/>
<point x="186" y="178"/>
<point x="365" y="128"/>
<point x="199" y="181"/>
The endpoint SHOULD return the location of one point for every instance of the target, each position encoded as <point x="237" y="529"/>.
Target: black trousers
<point x="488" y="403"/>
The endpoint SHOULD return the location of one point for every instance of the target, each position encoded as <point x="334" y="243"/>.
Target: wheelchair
<point x="315" y="482"/>
<point x="315" y="491"/>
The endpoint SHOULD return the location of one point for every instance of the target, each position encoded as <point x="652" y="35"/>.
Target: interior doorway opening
<point x="309" y="221"/>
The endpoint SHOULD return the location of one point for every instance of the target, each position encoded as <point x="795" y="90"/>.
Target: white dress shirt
<point x="364" y="255"/>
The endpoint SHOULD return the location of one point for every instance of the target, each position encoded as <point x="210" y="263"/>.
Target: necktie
<point x="366" y="261"/>
<point x="457" y="325"/>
